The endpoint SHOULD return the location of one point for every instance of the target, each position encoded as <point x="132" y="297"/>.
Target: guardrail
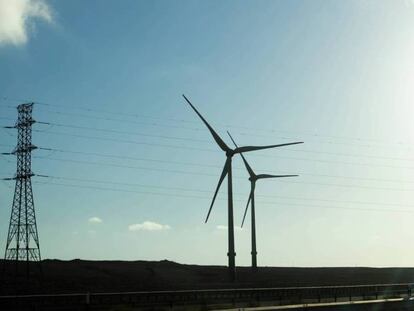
<point x="206" y="299"/>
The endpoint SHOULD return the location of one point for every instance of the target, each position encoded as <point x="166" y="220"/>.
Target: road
<point x="397" y="304"/>
<point x="337" y="297"/>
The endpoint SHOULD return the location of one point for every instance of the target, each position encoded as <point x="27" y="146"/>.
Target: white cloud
<point x="221" y="227"/>
<point x="16" y="19"/>
<point x="148" y="226"/>
<point x="95" y="220"/>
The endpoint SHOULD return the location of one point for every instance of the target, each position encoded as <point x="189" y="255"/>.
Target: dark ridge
<point x="78" y="275"/>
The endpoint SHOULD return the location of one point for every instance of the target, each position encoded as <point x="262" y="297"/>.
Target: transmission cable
<point x="216" y="166"/>
<point x="209" y="141"/>
<point x="198" y="129"/>
<point x="103" y="155"/>
<point x="213" y="175"/>
<point x="207" y="198"/>
<point x="207" y="191"/>
<point x="214" y="150"/>
<point x="134" y="115"/>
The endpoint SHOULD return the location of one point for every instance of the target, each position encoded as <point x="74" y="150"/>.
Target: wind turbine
<point x="253" y="177"/>
<point x="227" y="171"/>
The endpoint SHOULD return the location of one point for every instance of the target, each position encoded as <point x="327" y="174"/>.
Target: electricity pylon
<point x="22" y="239"/>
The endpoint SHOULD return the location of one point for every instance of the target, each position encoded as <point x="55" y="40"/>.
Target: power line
<point x="127" y="166"/>
<point x="17" y="100"/>
<point x="216" y="166"/>
<point x="347" y="186"/>
<point x="207" y="198"/>
<point x="211" y="150"/>
<point x="209" y="141"/>
<point x="121" y="120"/>
<point x="181" y="147"/>
<point x="211" y="166"/>
<point x="128" y="141"/>
<point x="5" y="131"/>
<point x="198" y="129"/>
<point x="104" y="155"/>
<point x="130" y="133"/>
<point x="134" y="115"/>
<point x="5" y="158"/>
<point x="206" y="191"/>
<point x="206" y="174"/>
<point x="244" y="134"/>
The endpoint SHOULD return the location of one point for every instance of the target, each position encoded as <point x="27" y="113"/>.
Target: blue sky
<point x="338" y="75"/>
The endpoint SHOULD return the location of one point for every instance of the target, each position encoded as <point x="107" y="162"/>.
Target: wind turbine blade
<point x="248" y="168"/>
<point x="254" y="148"/>
<point x="228" y="133"/>
<point x="261" y="176"/>
<point x="247" y="206"/>
<point x="216" y="137"/>
<point x="223" y="175"/>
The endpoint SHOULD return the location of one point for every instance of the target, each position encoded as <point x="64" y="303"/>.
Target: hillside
<point x="114" y="276"/>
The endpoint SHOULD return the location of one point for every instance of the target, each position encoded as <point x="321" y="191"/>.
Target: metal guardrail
<point x="205" y="298"/>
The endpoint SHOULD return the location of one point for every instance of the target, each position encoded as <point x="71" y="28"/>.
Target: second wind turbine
<point x="253" y="177"/>
<point x="227" y="171"/>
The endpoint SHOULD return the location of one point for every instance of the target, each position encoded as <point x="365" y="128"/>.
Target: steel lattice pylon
<point x="23" y="240"/>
